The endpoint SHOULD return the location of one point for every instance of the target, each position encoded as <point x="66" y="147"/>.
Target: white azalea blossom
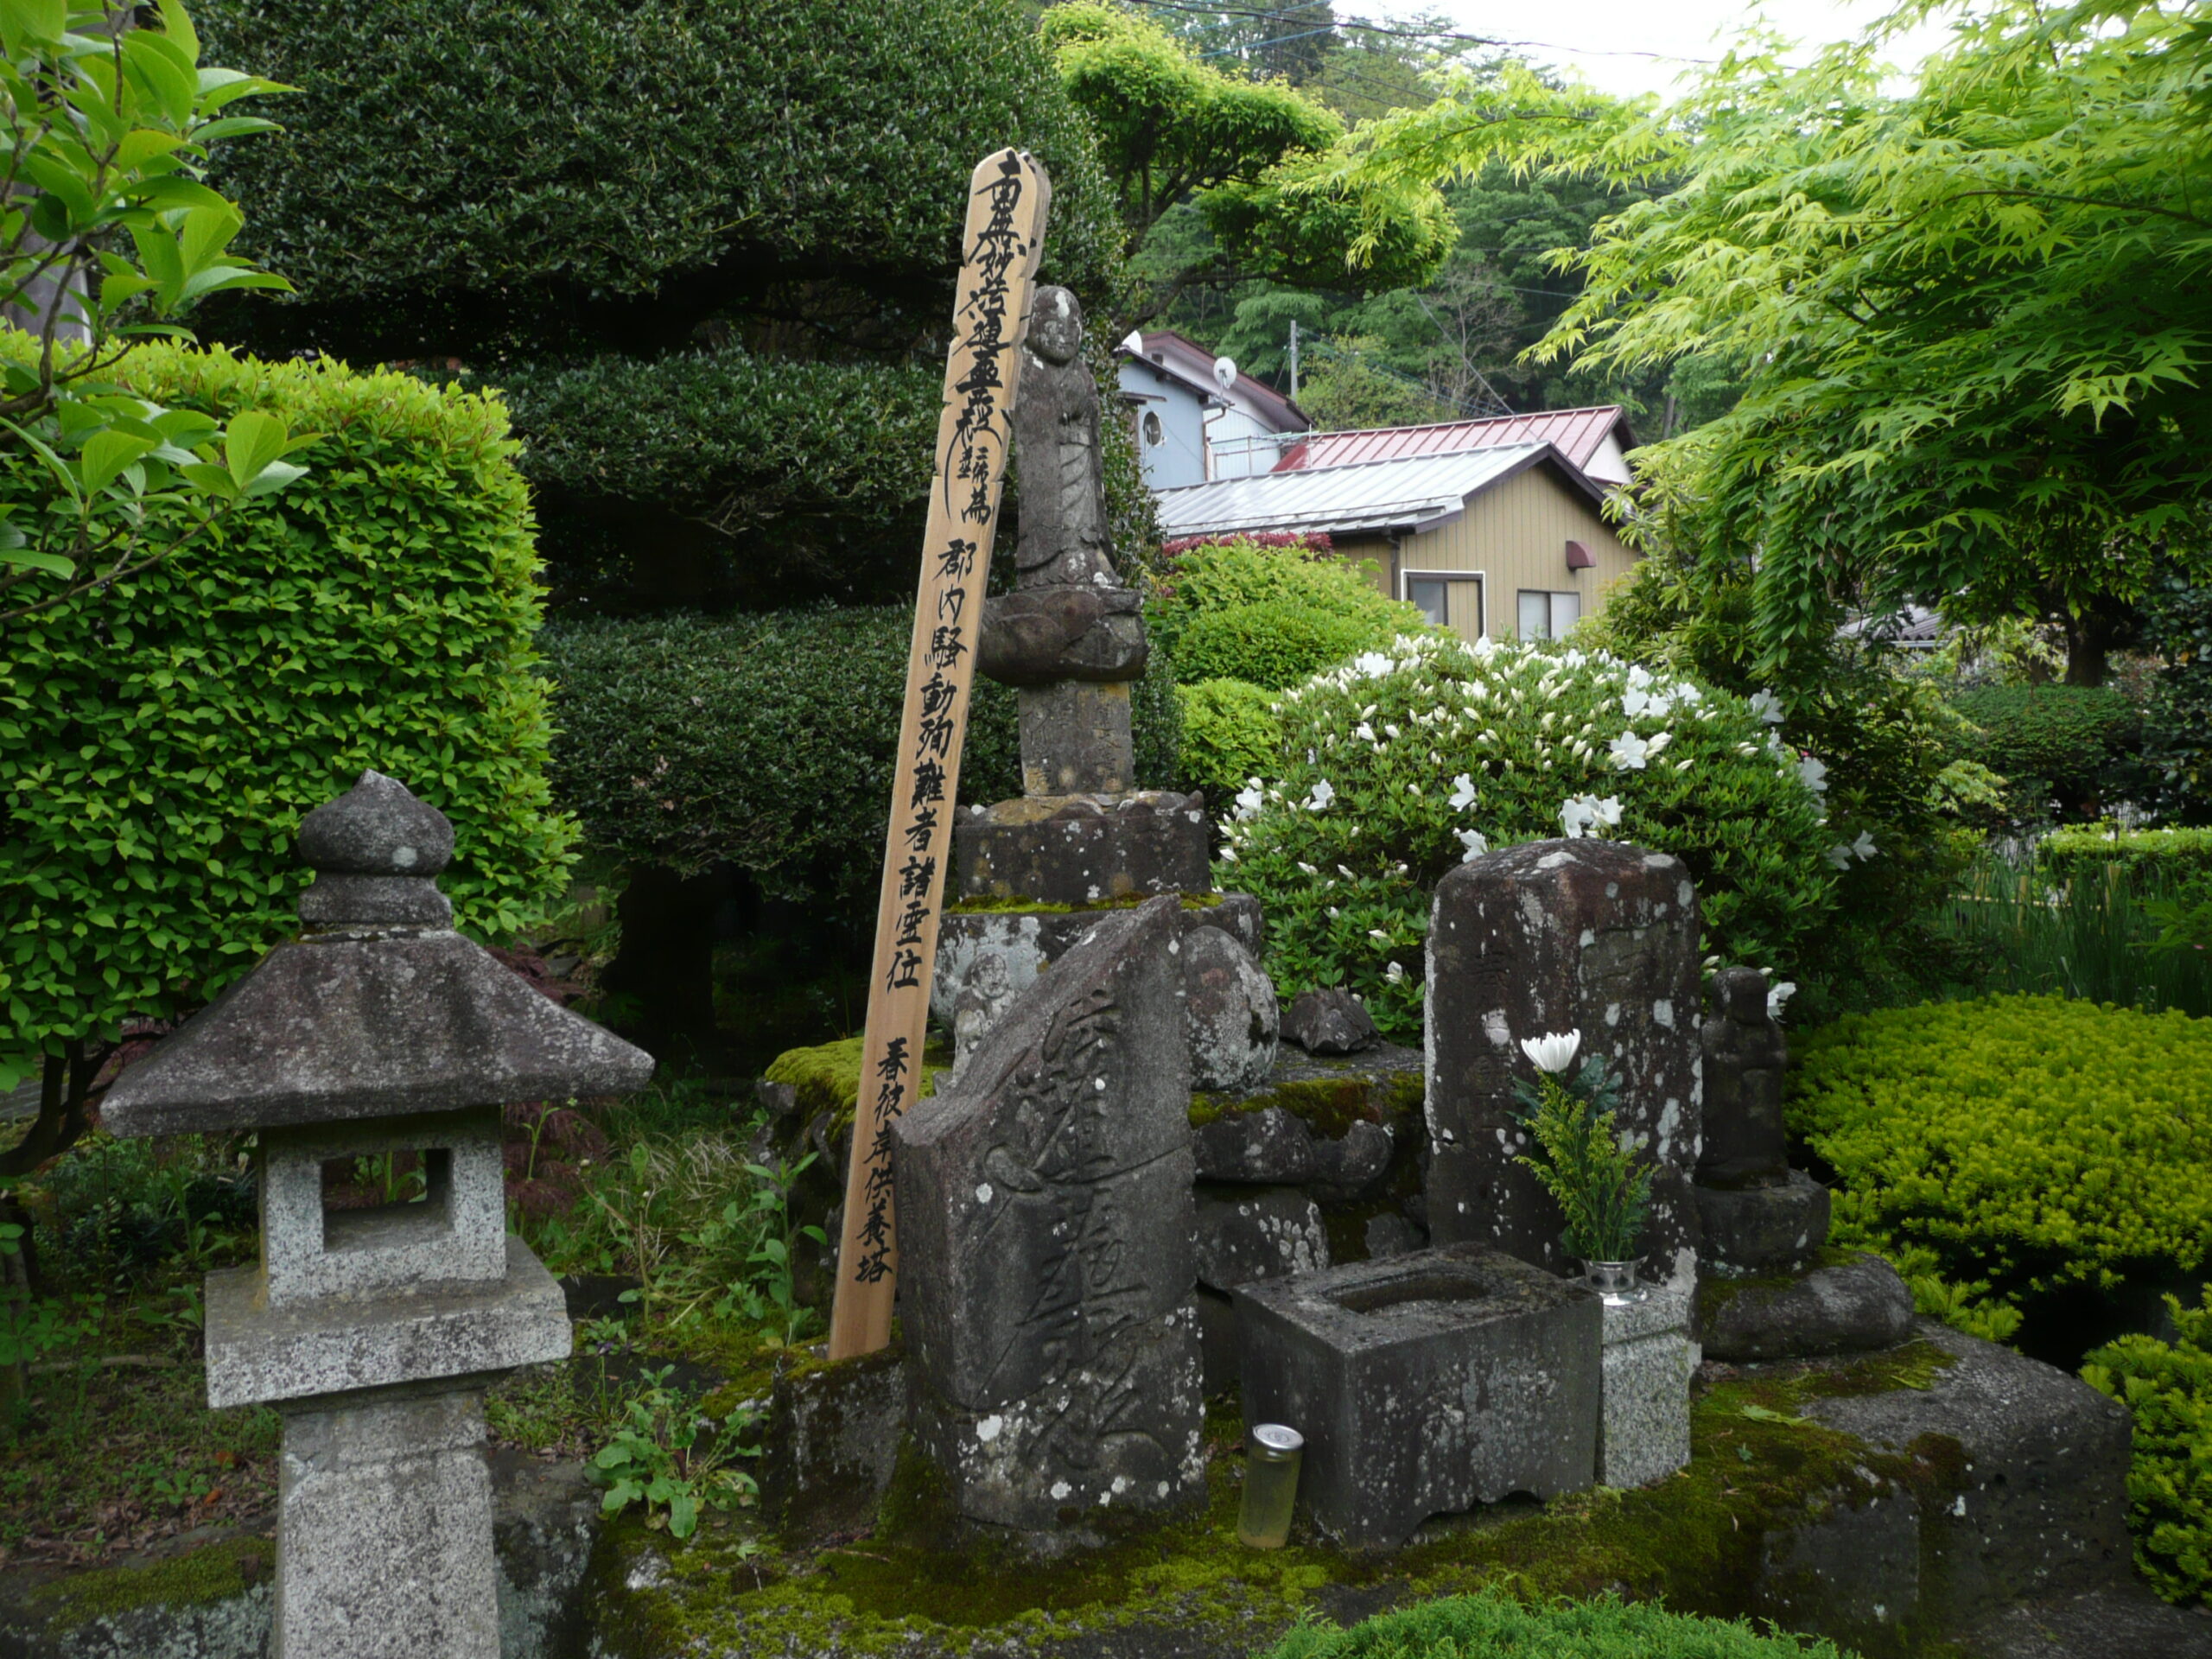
<point x="1553" y="1052"/>
<point x="1475" y="841"/>
<point x="1630" y="752"/>
<point x="1777" y="998"/>
<point x="1839" y="857"/>
<point x="1767" y="707"/>
<point x="1863" y="848"/>
<point x="1322" y="793"/>
<point x="1363" y="732"/>
<point x="1248" y="801"/>
<point x="1583" y="814"/>
<point x="1815" y="775"/>
<point x="1463" y="792"/>
<point x="1395" y="973"/>
<point x="1371" y="665"/>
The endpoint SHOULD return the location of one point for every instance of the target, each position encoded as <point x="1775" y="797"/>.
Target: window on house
<point x="1548" y="616"/>
<point x="1153" y="431"/>
<point x="1449" y="601"/>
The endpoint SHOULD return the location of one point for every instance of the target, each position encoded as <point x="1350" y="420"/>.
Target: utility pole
<point x="1294" y="359"/>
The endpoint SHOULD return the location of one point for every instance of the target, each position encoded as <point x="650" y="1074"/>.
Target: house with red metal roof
<point x="1595" y="440"/>
<point x="1489" y="539"/>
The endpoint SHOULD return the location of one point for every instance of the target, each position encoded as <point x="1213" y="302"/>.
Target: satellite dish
<point x="1225" y="372"/>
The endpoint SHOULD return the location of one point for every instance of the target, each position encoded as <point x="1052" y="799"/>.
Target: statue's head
<point x="1055" y="325"/>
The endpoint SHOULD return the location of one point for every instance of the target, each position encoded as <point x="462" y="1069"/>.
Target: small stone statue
<point x="1063" y="538"/>
<point x="1071" y="634"/>
<point x="1745" y="1055"/>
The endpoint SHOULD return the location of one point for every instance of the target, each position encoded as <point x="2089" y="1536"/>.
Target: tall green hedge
<point x="2062" y="735"/>
<point x="159" y="743"/>
<point x="2173" y="853"/>
<point x="768" y="741"/>
<point x="476" y="176"/>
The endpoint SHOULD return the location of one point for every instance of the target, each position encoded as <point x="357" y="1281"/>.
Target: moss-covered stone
<point x="827" y="1078"/>
<point x="1698" y="1540"/>
<point x="992" y="905"/>
<point x="217" y="1572"/>
<point x="1328" y="1104"/>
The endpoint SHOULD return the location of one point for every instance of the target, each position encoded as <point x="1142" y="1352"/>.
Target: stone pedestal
<point x="1080" y="849"/>
<point x="384" y="1507"/>
<point x="1558" y="935"/>
<point x="1076" y="740"/>
<point x="1750" y="1230"/>
<point x="1424" y="1384"/>
<point x="1644" y="1431"/>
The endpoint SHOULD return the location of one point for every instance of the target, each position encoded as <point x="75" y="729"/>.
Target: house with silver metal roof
<point x="1495" y="539"/>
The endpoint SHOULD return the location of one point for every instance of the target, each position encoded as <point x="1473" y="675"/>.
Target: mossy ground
<point x="1697" y="1540"/>
<point x="214" y="1572"/>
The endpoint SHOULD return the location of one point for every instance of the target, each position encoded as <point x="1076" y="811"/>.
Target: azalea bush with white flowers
<point x="1411" y="759"/>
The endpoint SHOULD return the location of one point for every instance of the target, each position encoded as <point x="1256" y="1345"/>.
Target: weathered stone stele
<point x="1555" y="936"/>
<point x="1046" y="1225"/>
<point x="1745" y="1143"/>
<point x="380" y="1031"/>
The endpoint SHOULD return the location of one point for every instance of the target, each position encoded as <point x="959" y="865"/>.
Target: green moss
<point x="827" y="1078"/>
<point x="1714" y="1293"/>
<point x="1329" y="1106"/>
<point x="214" y="1574"/>
<point x="1698" y="1540"/>
<point x="999" y="904"/>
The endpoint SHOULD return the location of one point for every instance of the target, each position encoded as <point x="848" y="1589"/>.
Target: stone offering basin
<point x="1424" y="1384"/>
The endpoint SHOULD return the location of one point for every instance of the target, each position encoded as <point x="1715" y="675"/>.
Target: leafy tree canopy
<point x="1257" y="159"/>
<point x="1973" y="318"/>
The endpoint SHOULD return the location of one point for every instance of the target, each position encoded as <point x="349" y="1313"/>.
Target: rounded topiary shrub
<point x="1490" y="1626"/>
<point x="2047" y="738"/>
<point x="1230" y="735"/>
<point x="1292" y="599"/>
<point x="1410" y="759"/>
<point x="2004" y="1149"/>
<point x="1273" y="644"/>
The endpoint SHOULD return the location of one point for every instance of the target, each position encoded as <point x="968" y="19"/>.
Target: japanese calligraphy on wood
<point x="1009" y="196"/>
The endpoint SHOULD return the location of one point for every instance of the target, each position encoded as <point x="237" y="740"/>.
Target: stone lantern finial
<point x="380" y="1034"/>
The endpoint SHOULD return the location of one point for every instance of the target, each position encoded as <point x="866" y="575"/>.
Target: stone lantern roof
<point x="379" y="1009"/>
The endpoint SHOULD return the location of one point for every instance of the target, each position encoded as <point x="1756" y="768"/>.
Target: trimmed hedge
<point x="475" y="176"/>
<point x="1274" y="645"/>
<point x="1492" y="1626"/>
<point x="768" y="741"/>
<point x="2014" y="1145"/>
<point x="159" y="743"/>
<point x="1230" y="735"/>
<point x="2167" y="1389"/>
<point x="2062" y="735"/>
<point x="2176" y="853"/>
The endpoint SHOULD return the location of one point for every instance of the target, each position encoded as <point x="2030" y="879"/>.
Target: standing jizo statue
<point x="1071" y="634"/>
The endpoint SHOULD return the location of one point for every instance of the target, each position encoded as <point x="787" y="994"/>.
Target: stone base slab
<point x="1083" y="848"/>
<point x="257" y="1354"/>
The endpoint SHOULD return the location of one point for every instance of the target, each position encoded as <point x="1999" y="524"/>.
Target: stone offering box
<point x="1424" y="1384"/>
<point x="379" y="1031"/>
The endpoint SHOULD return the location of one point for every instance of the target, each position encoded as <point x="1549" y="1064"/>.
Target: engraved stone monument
<point x="1046" y="1218"/>
<point x="1555" y="936"/>
<point x="380" y="1031"/>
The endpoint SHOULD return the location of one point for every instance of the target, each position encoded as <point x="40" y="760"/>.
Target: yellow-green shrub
<point x="2014" y="1145"/>
<point x="2167" y="1387"/>
<point x="1230" y="735"/>
<point x="2174" y="853"/>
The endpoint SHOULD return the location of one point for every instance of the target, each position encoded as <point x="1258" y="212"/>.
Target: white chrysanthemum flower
<point x="1463" y="792"/>
<point x="1553" y="1052"/>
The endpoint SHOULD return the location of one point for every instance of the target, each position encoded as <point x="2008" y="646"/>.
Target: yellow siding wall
<point x="1515" y="535"/>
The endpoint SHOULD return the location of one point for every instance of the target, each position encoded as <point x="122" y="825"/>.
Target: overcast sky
<point x="1641" y="46"/>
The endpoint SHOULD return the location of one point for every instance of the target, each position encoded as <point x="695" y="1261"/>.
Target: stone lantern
<point x="380" y="1031"/>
